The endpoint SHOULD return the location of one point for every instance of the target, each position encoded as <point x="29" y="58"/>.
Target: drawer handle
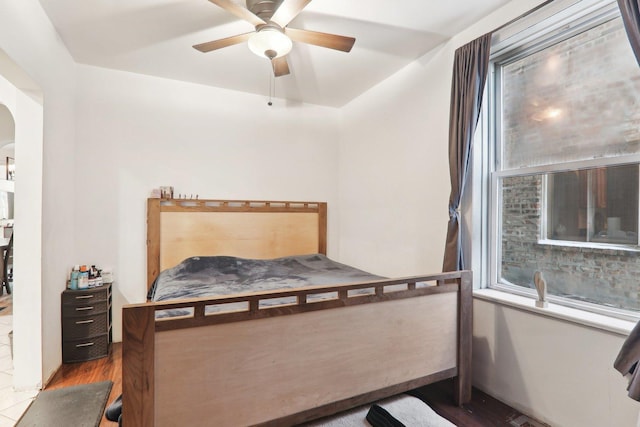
<point x="84" y="296"/>
<point x="84" y="308"/>
<point x="82" y="322"/>
<point x="88" y="344"/>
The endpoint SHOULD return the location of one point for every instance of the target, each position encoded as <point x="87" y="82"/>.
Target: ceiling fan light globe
<point x="271" y="40"/>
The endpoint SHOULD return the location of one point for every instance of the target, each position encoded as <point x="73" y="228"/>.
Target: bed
<point x="318" y="350"/>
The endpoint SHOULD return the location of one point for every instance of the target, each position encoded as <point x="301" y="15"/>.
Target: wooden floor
<point x="482" y="411"/>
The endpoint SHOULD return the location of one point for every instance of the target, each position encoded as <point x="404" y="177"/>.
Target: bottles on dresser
<point x="84" y="277"/>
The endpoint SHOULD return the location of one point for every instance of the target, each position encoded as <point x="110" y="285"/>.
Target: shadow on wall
<point x="493" y="357"/>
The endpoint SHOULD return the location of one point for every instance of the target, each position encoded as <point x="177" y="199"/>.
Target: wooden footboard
<point x="292" y="363"/>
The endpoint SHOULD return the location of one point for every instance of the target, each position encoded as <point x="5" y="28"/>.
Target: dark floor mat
<point x="77" y="406"/>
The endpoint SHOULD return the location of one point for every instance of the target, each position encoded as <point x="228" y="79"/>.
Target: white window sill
<point x="585" y="318"/>
<point x="591" y="245"/>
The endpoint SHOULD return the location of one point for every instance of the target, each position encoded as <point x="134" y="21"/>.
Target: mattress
<point x="200" y="277"/>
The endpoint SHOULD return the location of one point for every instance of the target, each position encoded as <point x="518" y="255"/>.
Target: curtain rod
<point x="524" y="15"/>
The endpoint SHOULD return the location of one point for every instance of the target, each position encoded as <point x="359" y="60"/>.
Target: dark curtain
<point x="470" y="69"/>
<point x="629" y="356"/>
<point x="627" y="362"/>
<point x="630" y="11"/>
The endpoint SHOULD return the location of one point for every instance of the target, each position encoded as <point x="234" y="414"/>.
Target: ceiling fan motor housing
<point x="269" y="40"/>
<point x="264" y="8"/>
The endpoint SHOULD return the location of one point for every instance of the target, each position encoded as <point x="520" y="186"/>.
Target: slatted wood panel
<point x="274" y="367"/>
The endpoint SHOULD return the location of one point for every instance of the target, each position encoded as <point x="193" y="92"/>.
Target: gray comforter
<point x="199" y="277"/>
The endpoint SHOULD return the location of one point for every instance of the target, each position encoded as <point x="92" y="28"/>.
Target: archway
<point x="21" y="124"/>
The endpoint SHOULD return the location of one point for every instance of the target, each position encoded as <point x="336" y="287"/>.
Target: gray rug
<point x="77" y="406"/>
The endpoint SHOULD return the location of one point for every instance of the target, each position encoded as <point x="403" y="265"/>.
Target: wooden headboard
<point x="181" y="228"/>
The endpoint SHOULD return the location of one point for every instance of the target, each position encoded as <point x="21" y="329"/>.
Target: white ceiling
<point x="154" y="37"/>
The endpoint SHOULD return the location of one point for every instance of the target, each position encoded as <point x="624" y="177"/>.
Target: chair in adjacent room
<point x="7" y="267"/>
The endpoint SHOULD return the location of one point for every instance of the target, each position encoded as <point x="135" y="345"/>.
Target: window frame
<point x="511" y="45"/>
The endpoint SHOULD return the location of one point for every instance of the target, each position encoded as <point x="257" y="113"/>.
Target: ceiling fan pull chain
<point x="273" y="82"/>
<point x="271" y="88"/>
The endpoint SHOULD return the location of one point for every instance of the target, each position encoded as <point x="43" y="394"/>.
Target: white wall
<point x="394" y="188"/>
<point x="33" y="361"/>
<point x="44" y="197"/>
<point x="136" y="133"/>
<point x="394" y="183"/>
<point x="558" y="371"/>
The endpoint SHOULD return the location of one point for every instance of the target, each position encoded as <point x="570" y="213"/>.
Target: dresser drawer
<point x="85" y="349"/>
<point x="85" y="326"/>
<point x="84" y="297"/>
<point x="84" y="309"/>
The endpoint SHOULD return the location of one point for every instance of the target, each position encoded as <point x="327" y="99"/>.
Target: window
<point x="564" y="160"/>
<point x="593" y="205"/>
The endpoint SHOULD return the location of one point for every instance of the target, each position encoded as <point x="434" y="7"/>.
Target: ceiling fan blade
<point x="331" y="41"/>
<point x="288" y="10"/>
<point x="240" y="11"/>
<point x="219" y="44"/>
<point x="280" y="66"/>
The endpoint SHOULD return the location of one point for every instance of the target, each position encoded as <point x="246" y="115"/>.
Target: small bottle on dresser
<point x="73" y="283"/>
<point x="83" y="278"/>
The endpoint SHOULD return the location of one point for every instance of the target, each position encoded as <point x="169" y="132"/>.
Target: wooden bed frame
<point x="292" y="363"/>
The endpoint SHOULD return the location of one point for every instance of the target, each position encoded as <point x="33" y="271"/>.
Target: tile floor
<point x="12" y="403"/>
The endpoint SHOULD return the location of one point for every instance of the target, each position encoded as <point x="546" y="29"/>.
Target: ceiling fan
<point x="272" y="38"/>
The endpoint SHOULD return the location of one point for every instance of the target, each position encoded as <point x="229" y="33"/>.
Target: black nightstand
<point x="86" y="323"/>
